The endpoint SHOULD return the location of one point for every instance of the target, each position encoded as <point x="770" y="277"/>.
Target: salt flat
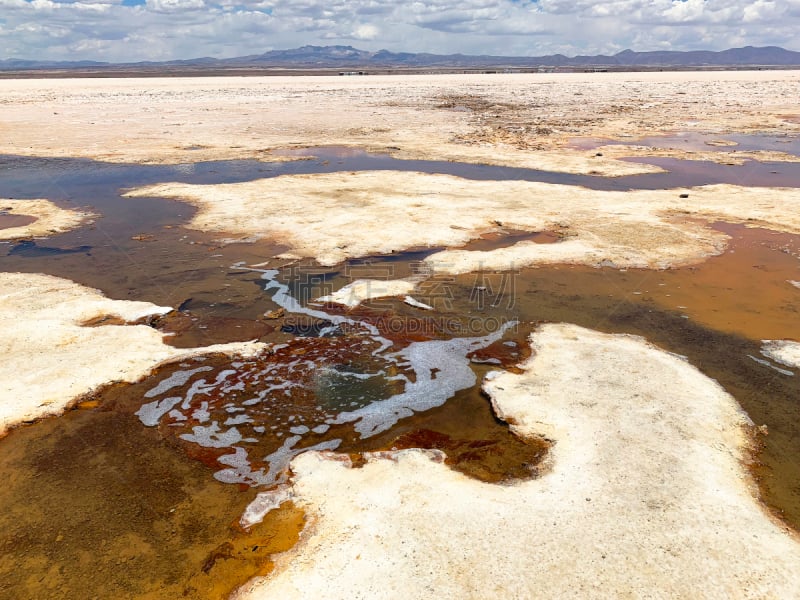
<point x="647" y="490"/>
<point x="515" y="120"/>
<point x="332" y="217"/>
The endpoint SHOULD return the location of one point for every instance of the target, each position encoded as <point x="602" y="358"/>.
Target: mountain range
<point x="347" y="57"/>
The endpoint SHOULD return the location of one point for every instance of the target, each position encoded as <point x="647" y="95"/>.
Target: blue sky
<point x="131" y="30"/>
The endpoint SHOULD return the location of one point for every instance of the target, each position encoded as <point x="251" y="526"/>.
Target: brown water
<point x="7" y="221"/>
<point x="506" y="238"/>
<point x="745" y="291"/>
<point x="715" y="313"/>
<point x="98" y="505"/>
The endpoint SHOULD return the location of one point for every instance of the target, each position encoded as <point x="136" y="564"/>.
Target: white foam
<point x="283" y="298"/>
<point x="240" y="470"/>
<point x="279" y="460"/>
<point x="487" y="361"/>
<point x="150" y="414"/>
<point x="177" y="379"/>
<point x="359" y="290"/>
<point x="212" y="437"/>
<point x="766" y="363"/>
<point x="201" y="415"/>
<point x="177" y="415"/>
<point x="238" y="420"/>
<point x="786" y="352"/>
<point x="432" y="372"/>
<point x="416" y="303"/>
<point x="198" y="387"/>
<point x="446" y="358"/>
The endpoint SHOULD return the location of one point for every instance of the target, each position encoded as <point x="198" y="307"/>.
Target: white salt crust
<point x="646" y="496"/>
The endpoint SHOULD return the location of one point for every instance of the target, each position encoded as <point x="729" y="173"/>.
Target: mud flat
<point x="61" y="341"/>
<point x="514" y="120"/>
<point x="638" y="228"/>
<point x="37" y="218"/>
<point x="647" y="493"/>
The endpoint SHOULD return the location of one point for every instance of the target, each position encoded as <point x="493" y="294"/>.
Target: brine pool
<point x="139" y="491"/>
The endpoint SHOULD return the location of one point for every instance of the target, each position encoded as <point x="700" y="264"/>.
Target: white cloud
<point x="761" y="11"/>
<point x="13" y="4"/>
<point x="365" y="32"/>
<point x="162" y="29"/>
<point x="174" y="6"/>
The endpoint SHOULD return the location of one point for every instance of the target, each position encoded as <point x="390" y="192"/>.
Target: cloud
<point x="164" y="29"/>
<point x="174" y="6"/>
<point x="365" y="32"/>
<point x="762" y="11"/>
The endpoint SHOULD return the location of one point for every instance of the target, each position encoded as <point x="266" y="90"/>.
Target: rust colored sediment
<point x="95" y="505"/>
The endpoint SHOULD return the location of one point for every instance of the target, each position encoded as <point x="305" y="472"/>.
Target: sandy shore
<point x="647" y="495"/>
<point x="62" y="340"/>
<point x="517" y="120"/>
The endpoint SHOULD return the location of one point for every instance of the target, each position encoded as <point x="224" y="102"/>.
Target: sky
<point x="133" y="30"/>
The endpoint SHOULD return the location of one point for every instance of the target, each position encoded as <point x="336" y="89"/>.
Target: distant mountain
<point x="329" y="55"/>
<point x="749" y="55"/>
<point x="347" y="57"/>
